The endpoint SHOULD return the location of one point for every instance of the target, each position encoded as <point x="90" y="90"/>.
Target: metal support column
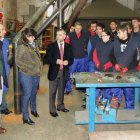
<point x="52" y="17"/>
<point x="60" y="16"/>
<point x="17" y="93"/>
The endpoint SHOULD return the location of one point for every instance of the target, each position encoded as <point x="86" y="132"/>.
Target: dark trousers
<point x="29" y="85"/>
<point x="57" y="84"/>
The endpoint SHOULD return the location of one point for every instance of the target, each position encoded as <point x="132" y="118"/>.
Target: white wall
<point x="37" y="3"/>
<point x="9" y="8"/>
<point x="128" y="3"/>
<point x="23" y="7"/>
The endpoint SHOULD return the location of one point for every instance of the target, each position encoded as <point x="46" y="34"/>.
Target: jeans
<point x="3" y="103"/>
<point x="29" y="85"/>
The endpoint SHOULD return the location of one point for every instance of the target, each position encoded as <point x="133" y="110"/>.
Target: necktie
<point x="61" y="55"/>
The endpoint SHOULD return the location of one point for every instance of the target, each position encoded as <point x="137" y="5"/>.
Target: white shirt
<point x="2" y="38"/>
<point x="62" y="45"/>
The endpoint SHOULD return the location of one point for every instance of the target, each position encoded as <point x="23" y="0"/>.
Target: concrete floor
<point x="62" y="127"/>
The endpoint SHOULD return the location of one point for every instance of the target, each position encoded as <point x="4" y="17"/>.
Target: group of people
<point x="116" y="50"/>
<point x="29" y="63"/>
<point x="106" y="51"/>
<point x="77" y="51"/>
<point x="59" y="56"/>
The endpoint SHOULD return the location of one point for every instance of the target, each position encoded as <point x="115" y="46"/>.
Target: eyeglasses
<point x="104" y="35"/>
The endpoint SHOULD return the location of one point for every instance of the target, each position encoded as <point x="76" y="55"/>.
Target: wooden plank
<point x="125" y="115"/>
<point x="115" y="135"/>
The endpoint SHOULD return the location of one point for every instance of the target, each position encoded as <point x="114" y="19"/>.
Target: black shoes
<point x="6" y="111"/>
<point x="67" y="93"/>
<point x="83" y="106"/>
<point x="63" y="110"/>
<point x="35" y="114"/>
<point x="54" y="114"/>
<point x="84" y="99"/>
<point x="29" y="122"/>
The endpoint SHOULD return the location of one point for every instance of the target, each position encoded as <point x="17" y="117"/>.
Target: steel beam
<point x="60" y="16"/>
<point x="52" y="17"/>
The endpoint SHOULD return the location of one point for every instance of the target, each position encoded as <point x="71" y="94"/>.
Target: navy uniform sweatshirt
<point x="79" y="45"/>
<point x="126" y="52"/>
<point x="104" y="53"/>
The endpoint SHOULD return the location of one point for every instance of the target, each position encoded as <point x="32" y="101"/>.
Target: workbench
<point x="91" y="81"/>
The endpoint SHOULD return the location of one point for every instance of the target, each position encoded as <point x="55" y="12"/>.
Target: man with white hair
<point x="59" y="56"/>
<point x="5" y="45"/>
<point x="3" y="81"/>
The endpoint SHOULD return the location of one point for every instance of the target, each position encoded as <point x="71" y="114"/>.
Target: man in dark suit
<point x="59" y="56"/>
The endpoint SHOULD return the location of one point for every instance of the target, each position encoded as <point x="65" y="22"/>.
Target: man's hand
<point x="59" y="61"/>
<point x="97" y="66"/>
<point x="65" y="63"/>
<point x="107" y="66"/>
<point x="117" y="67"/>
<point x="124" y="70"/>
<point x="138" y="68"/>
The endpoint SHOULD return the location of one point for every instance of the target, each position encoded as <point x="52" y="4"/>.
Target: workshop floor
<point x="62" y="127"/>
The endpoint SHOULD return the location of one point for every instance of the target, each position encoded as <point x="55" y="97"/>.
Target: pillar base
<point x="17" y="104"/>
